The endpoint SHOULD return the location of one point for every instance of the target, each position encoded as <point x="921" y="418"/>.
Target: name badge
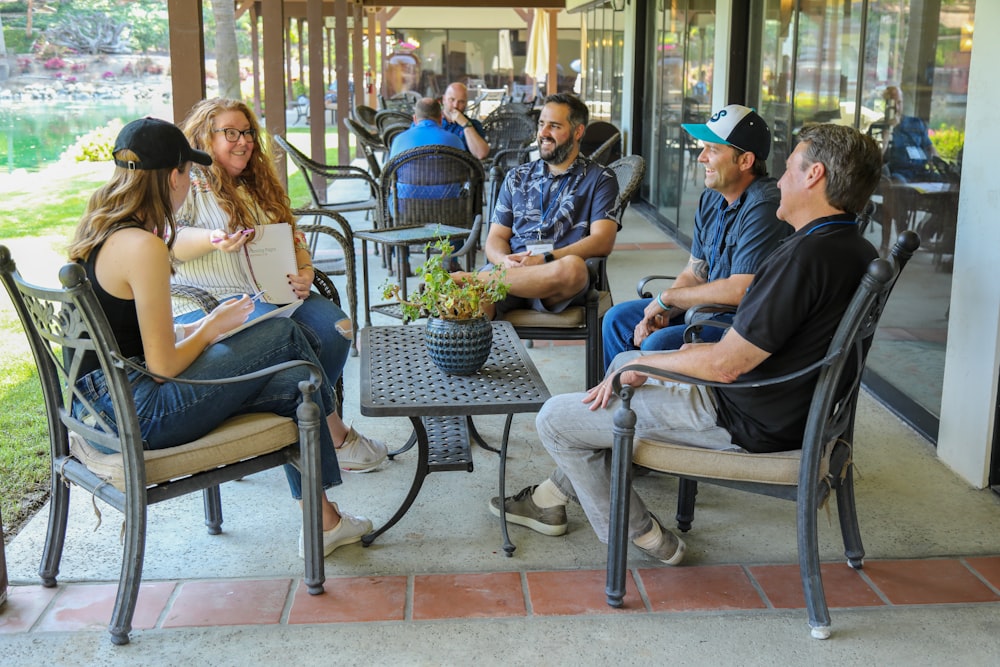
<point x="916" y="153"/>
<point x="540" y="248"/>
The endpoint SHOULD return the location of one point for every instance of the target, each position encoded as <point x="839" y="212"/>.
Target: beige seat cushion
<point x="573" y="317"/>
<point x="771" y="468"/>
<point x="237" y="438"/>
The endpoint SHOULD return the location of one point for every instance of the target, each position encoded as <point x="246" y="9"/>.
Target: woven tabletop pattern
<point x="398" y="378"/>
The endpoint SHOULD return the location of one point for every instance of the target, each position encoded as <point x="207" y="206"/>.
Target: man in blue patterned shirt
<point x="552" y="214"/>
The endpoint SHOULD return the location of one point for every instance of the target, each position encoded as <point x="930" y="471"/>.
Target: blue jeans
<point x="318" y="317"/>
<point x="172" y="414"/>
<point x="579" y="440"/>
<point x="620" y="322"/>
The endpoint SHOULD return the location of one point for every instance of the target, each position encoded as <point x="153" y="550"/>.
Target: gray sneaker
<point x="523" y="511"/>
<point x="359" y="453"/>
<point x="671" y="548"/>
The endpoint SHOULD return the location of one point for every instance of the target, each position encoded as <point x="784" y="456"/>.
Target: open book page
<point x="271" y="257"/>
<point x="283" y="311"/>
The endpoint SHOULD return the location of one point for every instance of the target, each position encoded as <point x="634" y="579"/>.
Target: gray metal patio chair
<point x="63" y="324"/>
<point x="806" y="476"/>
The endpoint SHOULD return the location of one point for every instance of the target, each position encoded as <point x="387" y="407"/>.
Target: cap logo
<point x="719" y="114"/>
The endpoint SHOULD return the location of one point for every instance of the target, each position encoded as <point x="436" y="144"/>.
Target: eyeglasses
<point x="233" y="135"/>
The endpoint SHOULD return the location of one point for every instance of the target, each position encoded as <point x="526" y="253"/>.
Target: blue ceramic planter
<point x="458" y="347"/>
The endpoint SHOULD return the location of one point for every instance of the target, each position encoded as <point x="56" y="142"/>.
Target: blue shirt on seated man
<point x="425" y="131"/>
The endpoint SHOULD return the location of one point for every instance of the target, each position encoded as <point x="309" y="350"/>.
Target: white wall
<point x="968" y="402"/>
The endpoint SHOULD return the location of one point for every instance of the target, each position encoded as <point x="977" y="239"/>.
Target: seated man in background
<point x="909" y="152"/>
<point x="469" y="130"/>
<point x="785" y="322"/>
<point x="735" y="229"/>
<point x="551" y="215"/>
<point x="426" y="130"/>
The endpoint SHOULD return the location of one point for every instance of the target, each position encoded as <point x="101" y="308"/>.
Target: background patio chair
<point x="601" y="142"/>
<point x="583" y="322"/>
<point x="370" y="145"/>
<point x="340" y="188"/>
<point x="806" y="476"/>
<point x="61" y="325"/>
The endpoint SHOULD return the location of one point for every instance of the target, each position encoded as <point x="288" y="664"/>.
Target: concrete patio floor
<point x="436" y="589"/>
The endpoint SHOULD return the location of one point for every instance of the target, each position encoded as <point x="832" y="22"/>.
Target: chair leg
<point x="849" y="529"/>
<point x="687" y="491"/>
<point x="132" y="562"/>
<point x="809" y="566"/>
<point x="55" y="537"/>
<point x="213" y="509"/>
<point x="621" y="484"/>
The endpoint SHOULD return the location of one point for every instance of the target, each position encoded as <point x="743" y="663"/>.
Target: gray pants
<point x="579" y="440"/>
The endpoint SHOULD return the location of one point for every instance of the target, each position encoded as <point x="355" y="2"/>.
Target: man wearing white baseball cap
<point x="735" y="228"/>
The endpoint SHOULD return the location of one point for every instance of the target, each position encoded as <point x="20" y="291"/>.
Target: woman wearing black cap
<point x="124" y="242"/>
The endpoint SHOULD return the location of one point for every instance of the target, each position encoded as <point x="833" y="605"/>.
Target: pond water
<point x="35" y="134"/>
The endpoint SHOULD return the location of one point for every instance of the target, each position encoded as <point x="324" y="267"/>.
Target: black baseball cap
<point x="159" y="145"/>
<point x="735" y="125"/>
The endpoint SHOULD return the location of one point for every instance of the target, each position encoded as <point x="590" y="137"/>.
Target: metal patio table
<point x="400" y="239"/>
<point x="398" y="379"/>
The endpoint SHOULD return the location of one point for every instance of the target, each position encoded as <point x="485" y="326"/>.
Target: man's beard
<point x="559" y="153"/>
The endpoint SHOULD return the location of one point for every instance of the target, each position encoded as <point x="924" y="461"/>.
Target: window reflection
<point x="900" y="73"/>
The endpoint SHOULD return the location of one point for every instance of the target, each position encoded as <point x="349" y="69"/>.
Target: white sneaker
<point x="360" y="453"/>
<point x="348" y="531"/>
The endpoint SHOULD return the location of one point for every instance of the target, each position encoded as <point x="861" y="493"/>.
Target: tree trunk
<point x="4" y="73"/>
<point x="227" y="61"/>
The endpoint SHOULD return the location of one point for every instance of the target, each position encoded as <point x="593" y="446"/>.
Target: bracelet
<point x="659" y="302"/>
<point x="307" y="266"/>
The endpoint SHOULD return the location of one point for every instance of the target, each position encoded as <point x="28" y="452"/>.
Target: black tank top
<point x="121" y="316"/>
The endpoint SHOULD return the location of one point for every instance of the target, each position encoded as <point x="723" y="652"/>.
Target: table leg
<point x="407" y="446"/>
<point x="508" y="546"/>
<point x="418" y="481"/>
<point x="475" y="435"/>
<point x="364" y="273"/>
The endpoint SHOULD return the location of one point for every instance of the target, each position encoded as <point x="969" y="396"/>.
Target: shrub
<point x="948" y="141"/>
<point x="55" y="63"/>
<point x="96" y="145"/>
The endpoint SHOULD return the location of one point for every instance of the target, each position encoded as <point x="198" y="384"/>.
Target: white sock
<point x="650" y="539"/>
<point x="547" y="494"/>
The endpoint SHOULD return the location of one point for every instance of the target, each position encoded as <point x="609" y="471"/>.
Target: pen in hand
<point x="243" y="232"/>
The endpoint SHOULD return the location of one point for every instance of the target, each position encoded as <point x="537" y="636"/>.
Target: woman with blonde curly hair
<point x="239" y="191"/>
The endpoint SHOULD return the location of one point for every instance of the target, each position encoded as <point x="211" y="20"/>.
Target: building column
<point x="972" y="357"/>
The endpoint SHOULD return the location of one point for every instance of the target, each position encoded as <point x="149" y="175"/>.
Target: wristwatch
<point x="548" y="257"/>
<point x="466" y="126"/>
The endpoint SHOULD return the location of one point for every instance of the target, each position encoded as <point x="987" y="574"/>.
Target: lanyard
<point x="554" y="200"/>
<point x="832" y="222"/>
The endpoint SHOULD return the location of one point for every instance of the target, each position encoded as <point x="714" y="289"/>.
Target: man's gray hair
<point x="853" y="163"/>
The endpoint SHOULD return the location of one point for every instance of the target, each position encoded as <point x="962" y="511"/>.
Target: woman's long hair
<point x="259" y="179"/>
<point x="136" y="197"/>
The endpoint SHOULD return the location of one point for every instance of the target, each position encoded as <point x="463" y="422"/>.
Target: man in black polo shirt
<point x="785" y="322"/>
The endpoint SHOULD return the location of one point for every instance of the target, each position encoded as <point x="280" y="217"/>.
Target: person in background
<point x="124" y="243"/>
<point x="237" y="192"/>
<point x="454" y="104"/>
<point x="425" y="131"/>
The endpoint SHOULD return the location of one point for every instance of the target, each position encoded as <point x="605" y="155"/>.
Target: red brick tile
<point x="488" y="595"/>
<point x="927" y="582"/>
<point x="89" y="607"/>
<point x="351" y="599"/>
<point x="842" y="586"/>
<point x="575" y="592"/>
<point x="988" y="567"/>
<point x="24" y="605"/>
<point x="699" y="588"/>
<point x="213" y="603"/>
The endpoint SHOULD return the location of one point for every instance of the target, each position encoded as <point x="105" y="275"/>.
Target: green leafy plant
<point x="948" y="141"/>
<point x="442" y="296"/>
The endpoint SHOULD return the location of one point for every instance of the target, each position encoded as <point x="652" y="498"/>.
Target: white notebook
<point x="270" y="258"/>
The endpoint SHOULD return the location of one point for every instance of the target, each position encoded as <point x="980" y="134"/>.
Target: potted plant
<point x="458" y="336"/>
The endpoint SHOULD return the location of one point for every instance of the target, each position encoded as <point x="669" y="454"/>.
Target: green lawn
<point x="49" y="204"/>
